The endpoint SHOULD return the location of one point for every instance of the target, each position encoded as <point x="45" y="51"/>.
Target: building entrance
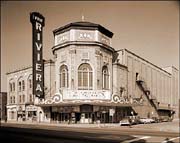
<point x="86" y="113"/>
<point x="104" y="117"/>
<point x="60" y="117"/>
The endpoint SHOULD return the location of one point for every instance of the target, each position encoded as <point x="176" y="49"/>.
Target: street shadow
<point x="139" y="141"/>
<point x="168" y="141"/>
<point x="59" y="135"/>
<point x="32" y="135"/>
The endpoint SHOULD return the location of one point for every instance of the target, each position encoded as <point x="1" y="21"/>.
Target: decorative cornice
<point x="83" y="26"/>
<point x="65" y="44"/>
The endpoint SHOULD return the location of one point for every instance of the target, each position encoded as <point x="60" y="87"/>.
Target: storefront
<point x="61" y="114"/>
<point x="31" y="113"/>
<point x="12" y="112"/>
<point x="86" y="113"/>
<point x="21" y="115"/>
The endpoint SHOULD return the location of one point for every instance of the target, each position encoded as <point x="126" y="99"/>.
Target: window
<point x="85" y="77"/>
<point x="19" y="98"/>
<point x="10" y="87"/>
<point x="23" y="85"/>
<point x="63" y="76"/>
<point x="13" y="86"/>
<point x="137" y="76"/>
<point x="12" y="115"/>
<point x="105" y="77"/>
<point x="30" y="81"/>
<point x="30" y="98"/>
<point x="19" y="84"/>
<point x="13" y="99"/>
<point x="23" y="98"/>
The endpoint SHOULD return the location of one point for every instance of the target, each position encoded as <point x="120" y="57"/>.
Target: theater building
<point x="89" y="81"/>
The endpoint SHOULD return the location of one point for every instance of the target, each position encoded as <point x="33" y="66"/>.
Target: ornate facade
<point x="89" y="81"/>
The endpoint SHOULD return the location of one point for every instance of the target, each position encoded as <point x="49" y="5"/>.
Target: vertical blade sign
<point x="37" y="21"/>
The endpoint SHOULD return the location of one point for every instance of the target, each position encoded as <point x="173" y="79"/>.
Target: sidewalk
<point x="162" y="127"/>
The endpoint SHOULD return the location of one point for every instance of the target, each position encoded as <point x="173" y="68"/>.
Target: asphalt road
<point x="26" y="135"/>
<point x="54" y="134"/>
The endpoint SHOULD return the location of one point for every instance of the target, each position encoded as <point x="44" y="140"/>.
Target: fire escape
<point x="143" y="86"/>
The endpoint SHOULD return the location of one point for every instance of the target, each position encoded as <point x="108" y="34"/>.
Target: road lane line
<point x="170" y="139"/>
<point x="174" y="138"/>
<point x="146" y="137"/>
<point x="137" y="138"/>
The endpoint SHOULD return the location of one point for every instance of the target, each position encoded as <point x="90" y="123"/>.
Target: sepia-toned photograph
<point x="89" y="71"/>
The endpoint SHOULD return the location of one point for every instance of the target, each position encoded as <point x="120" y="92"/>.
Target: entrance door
<point x="104" y="117"/>
<point x="86" y="113"/>
<point x="86" y="118"/>
<point x="40" y="117"/>
<point x="78" y="117"/>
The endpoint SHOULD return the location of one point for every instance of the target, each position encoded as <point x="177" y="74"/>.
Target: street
<point x="67" y="134"/>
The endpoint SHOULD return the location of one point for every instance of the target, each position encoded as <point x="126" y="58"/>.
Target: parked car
<point x="165" y="119"/>
<point x="156" y="119"/>
<point x="134" y="120"/>
<point x="124" y="121"/>
<point x="146" y="120"/>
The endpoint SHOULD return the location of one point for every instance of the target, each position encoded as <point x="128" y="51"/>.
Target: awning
<point x="21" y="112"/>
<point x="90" y="103"/>
<point x="165" y="108"/>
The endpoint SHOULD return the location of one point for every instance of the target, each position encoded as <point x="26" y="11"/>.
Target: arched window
<point x="85" y="77"/>
<point x="105" y="77"/>
<point x="63" y="76"/>
<point x="30" y="98"/>
<point x="23" y="98"/>
<point x="14" y="99"/>
<point x="21" y="84"/>
<point x="11" y="85"/>
<point x="30" y="81"/>
<point x="11" y="99"/>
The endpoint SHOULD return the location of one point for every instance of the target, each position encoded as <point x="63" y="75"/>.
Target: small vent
<point x="85" y="55"/>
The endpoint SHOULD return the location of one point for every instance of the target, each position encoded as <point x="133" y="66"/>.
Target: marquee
<point x="86" y="95"/>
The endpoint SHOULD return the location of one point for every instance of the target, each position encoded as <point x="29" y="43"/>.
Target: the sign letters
<point x="37" y="21"/>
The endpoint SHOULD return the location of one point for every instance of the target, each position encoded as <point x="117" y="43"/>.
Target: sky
<point x="150" y="28"/>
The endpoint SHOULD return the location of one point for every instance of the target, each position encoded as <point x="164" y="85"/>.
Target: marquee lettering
<point x="88" y="95"/>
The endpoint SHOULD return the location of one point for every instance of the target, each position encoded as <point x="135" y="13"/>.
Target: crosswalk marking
<point x="146" y="137"/>
<point x="137" y="138"/>
<point x="174" y="138"/>
<point x="170" y="139"/>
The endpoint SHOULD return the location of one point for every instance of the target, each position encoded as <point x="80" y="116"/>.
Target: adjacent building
<point x="20" y="100"/>
<point x="3" y="103"/>
<point x="88" y="81"/>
